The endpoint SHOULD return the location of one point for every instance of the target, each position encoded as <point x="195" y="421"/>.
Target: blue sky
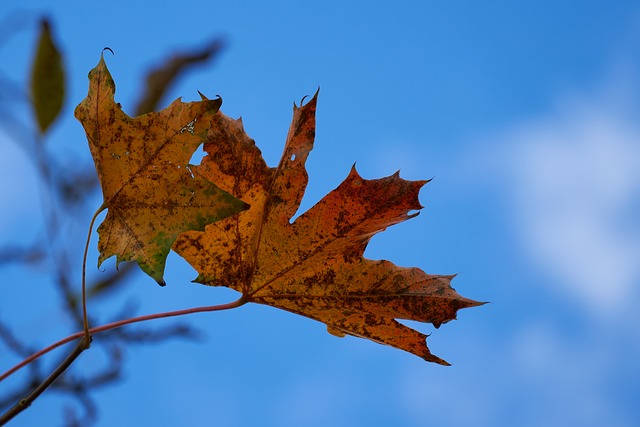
<point x="524" y="113"/>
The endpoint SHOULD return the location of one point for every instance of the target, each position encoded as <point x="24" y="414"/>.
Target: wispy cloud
<point x="575" y="181"/>
<point x="570" y="180"/>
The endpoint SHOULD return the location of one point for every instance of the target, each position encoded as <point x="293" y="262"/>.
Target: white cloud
<point x="575" y="178"/>
<point x="540" y="374"/>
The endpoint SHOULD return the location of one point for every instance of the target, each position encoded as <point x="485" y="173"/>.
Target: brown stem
<point x="237" y="303"/>
<point x="27" y="401"/>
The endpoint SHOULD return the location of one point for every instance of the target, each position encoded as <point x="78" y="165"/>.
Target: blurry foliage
<point x="64" y="192"/>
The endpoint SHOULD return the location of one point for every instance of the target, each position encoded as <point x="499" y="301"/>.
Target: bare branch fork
<point x="83" y="345"/>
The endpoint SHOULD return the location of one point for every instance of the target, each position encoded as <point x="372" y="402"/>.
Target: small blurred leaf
<point x="47" y="79"/>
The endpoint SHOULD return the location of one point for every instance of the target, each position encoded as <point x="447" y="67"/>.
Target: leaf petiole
<point x="234" y="304"/>
<point x="85" y="319"/>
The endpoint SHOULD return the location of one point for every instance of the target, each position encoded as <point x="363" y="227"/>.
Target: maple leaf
<point x="314" y="266"/>
<point x="147" y="184"/>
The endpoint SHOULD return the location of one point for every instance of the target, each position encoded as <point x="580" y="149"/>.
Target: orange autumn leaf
<point x="143" y="168"/>
<point x="314" y="266"/>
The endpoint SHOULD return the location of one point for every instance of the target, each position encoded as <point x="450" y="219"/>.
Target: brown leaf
<point x="146" y="180"/>
<point x="314" y="266"/>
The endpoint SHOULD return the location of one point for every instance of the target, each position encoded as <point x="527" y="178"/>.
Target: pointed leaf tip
<point x="311" y="103"/>
<point x="442" y="362"/>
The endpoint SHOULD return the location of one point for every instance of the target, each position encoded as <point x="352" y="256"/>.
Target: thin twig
<point x="237" y="303"/>
<point x="27" y="401"/>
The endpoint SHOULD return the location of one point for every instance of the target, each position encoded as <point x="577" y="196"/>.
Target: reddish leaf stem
<point x="237" y="303"/>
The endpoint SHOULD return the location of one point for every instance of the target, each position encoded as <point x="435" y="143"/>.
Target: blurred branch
<point x="28" y="400"/>
<point x="160" y="80"/>
<point x="156" y="335"/>
<point x="20" y="255"/>
<point x="63" y="190"/>
<point x="13" y="343"/>
<point x="13" y="23"/>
